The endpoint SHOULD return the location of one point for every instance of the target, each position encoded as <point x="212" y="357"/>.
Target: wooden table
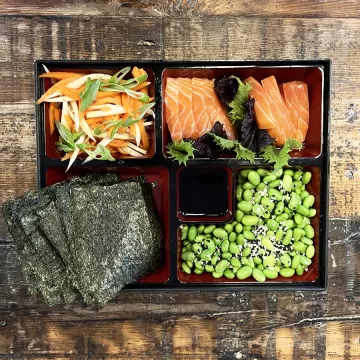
<point x="202" y="324"/>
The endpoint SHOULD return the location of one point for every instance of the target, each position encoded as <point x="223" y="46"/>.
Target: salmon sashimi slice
<point x="215" y="110"/>
<point x="186" y="115"/>
<point x="192" y="108"/>
<point x="199" y="106"/>
<point x="285" y="127"/>
<point x="263" y="115"/>
<point x="172" y="109"/>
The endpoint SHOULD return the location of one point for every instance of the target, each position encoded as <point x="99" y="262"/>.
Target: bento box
<point x="204" y="191"/>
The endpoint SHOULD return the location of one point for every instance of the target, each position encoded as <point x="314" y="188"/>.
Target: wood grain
<point x="189" y="8"/>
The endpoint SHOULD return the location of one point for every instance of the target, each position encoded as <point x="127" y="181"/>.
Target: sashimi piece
<point x="215" y="110"/>
<point x="172" y="108"/>
<point x="263" y="115"/>
<point x="186" y="115"/>
<point x="199" y="106"/>
<point x="285" y="127"/>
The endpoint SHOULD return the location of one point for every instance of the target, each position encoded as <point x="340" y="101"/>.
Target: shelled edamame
<point x="271" y="234"/>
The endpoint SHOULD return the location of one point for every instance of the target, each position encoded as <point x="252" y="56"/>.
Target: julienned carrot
<point x="118" y="143"/>
<point x="132" y="130"/>
<point x="59" y="86"/>
<point x="104" y="94"/>
<point x="61" y="75"/>
<point x="125" y="103"/>
<point x="52" y="117"/>
<point x="67" y="156"/>
<point x="69" y="121"/>
<point x="108" y="100"/>
<point x="57" y="114"/>
<point x="141" y="86"/>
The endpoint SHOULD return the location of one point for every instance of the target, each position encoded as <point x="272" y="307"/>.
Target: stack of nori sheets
<point x="88" y="236"/>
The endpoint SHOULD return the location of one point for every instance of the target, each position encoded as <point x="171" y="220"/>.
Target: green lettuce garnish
<point x="237" y="105"/>
<point x="181" y="151"/>
<point x="280" y="157"/>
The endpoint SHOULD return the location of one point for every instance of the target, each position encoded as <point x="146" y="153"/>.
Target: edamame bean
<point x="200" y="229"/>
<point x="228" y="228"/>
<point x="299" y="270"/>
<point x="270" y="234"/>
<point x="266" y="203"/>
<point x="295" y="262"/>
<point x="192" y="233"/>
<point x="272" y="224"/>
<point x="185" y="242"/>
<point x="183" y="249"/>
<point x="275" y="194"/>
<point x="217" y="275"/>
<point x="254" y="178"/>
<point x="312" y="213"/>
<point x="238" y="228"/>
<point x="247" y="227"/>
<point x="199" y="238"/>
<point x="298" y="175"/>
<point x="248" y="186"/>
<point x="267" y="243"/>
<point x="239" y="215"/>
<point x="257" y="260"/>
<point x="248" y="235"/>
<point x="306" y="240"/>
<point x="304" y="194"/>
<point x="309" y="231"/>
<point x="269" y="178"/>
<point x="246" y="252"/>
<point x="298" y="219"/>
<point x="260" y="267"/>
<point x="258" y="275"/>
<point x="198" y="271"/>
<point x="234" y="249"/>
<point x="270" y="274"/>
<point x="275" y="183"/>
<point x="298" y="191"/>
<point x="247" y="195"/>
<point x="289" y="172"/>
<point x="184" y="232"/>
<point x="266" y="214"/>
<point x="189" y="263"/>
<point x="210" y="244"/>
<point x="299" y="246"/>
<point x="257" y="198"/>
<point x="297" y="234"/>
<point x="185" y="268"/>
<point x="244" y="206"/>
<point x="309" y="201"/>
<point x="306" y="178"/>
<point x="261" y="186"/>
<point x="282" y="217"/>
<point x="232" y="236"/>
<point x="269" y="261"/>
<point x="221" y="266"/>
<point x="285" y="260"/>
<point x="289" y="224"/>
<point x="196" y="248"/>
<point x="198" y="265"/>
<point x="302" y="210"/>
<point x="257" y="209"/>
<point x="209" y="268"/>
<point x="217" y="241"/>
<point x="279" y="173"/>
<point x="215" y="259"/>
<point x="220" y="233"/>
<point x="235" y="262"/>
<point x="240" y="240"/>
<point x="294" y="201"/>
<point x="296" y="185"/>
<point x="310" y="251"/>
<point x="226" y="255"/>
<point x="287" y="272"/>
<point x="239" y="192"/>
<point x="209" y="229"/>
<point x="225" y="245"/>
<point x="305" y="261"/>
<point x="279" y="208"/>
<point x="188" y="255"/>
<point x="288" y="236"/>
<point x="262" y="172"/>
<point x="244" y="272"/>
<point x="206" y="255"/>
<point x="229" y="274"/>
<point x="244" y="173"/>
<point x="279" y="235"/>
<point x="249" y="220"/>
<point x="188" y="247"/>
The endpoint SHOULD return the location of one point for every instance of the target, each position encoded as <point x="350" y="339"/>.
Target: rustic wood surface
<point x="202" y="324"/>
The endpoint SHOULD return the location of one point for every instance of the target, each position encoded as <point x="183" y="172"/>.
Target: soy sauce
<point x="203" y="192"/>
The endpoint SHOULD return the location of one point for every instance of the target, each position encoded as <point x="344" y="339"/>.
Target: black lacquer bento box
<point x="169" y="191"/>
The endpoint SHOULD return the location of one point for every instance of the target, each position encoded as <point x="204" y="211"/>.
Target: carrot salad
<point x="100" y="115"/>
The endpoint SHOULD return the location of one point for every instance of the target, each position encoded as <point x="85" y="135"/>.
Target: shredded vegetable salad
<point x="100" y="115"/>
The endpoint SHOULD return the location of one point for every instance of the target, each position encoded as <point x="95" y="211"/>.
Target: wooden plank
<point x="191" y="8"/>
<point x="25" y="39"/>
